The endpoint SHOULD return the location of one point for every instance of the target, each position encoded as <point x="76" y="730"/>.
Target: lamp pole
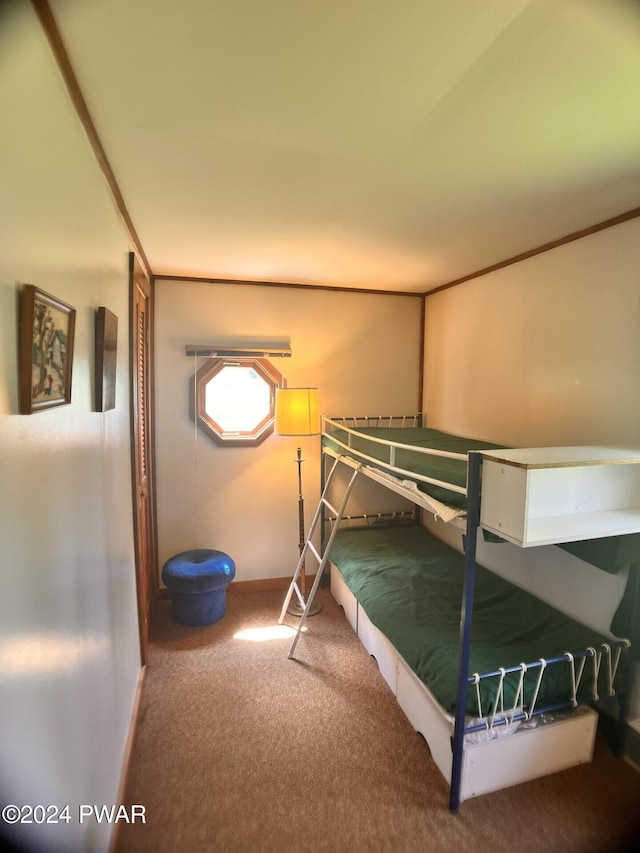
<point x="297" y="414"/>
<point x="294" y="605"/>
<point x="303" y="583"/>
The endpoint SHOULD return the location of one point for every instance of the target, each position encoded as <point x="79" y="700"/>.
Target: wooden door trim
<point x="137" y="271"/>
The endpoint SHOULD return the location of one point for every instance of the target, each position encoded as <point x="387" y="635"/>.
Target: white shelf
<point x="565" y="457"/>
<point x="549" y="495"/>
<point x="551" y="530"/>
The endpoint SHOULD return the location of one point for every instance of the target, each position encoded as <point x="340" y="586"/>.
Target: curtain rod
<point x="239" y="352"/>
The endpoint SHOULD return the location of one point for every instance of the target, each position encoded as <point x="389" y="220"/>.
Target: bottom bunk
<point x="400" y="589"/>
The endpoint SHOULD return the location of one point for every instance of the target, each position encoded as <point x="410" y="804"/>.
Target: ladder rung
<point x="330" y="506"/>
<point x="312" y="548"/>
<point x="309" y="546"/>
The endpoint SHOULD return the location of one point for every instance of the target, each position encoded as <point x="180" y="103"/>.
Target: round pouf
<point x="197" y="581"/>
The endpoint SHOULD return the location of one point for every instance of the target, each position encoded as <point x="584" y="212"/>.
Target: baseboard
<point x="128" y="753"/>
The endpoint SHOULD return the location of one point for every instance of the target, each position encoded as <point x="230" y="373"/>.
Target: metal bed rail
<point x="392" y="446"/>
<point x="584" y="680"/>
<point x="354" y="421"/>
<point x="372" y="518"/>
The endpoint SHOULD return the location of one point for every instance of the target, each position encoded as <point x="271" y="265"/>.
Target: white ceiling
<point x="394" y="144"/>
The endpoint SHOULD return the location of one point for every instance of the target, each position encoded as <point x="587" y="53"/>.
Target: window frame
<point x="198" y="388"/>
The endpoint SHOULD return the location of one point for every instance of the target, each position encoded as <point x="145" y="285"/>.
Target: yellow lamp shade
<point x="297" y="411"/>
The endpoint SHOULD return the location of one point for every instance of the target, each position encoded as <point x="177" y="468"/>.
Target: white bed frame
<point x="488" y="766"/>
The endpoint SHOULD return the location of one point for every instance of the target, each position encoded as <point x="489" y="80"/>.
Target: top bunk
<point x="424" y="465"/>
<point x="534" y="496"/>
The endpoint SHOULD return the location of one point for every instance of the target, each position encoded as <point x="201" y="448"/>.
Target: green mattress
<point x="410" y="586"/>
<point x="448" y="470"/>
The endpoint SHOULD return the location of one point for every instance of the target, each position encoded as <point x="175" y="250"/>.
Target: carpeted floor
<point x="241" y="750"/>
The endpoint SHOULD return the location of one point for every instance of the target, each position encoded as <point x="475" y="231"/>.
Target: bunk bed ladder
<point x="323" y="558"/>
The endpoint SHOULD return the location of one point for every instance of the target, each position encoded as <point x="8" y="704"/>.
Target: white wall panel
<point x="69" y="650"/>
<point x="362" y="351"/>
<point x="544" y="352"/>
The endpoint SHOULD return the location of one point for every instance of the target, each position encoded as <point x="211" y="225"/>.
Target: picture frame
<point x="105" y="360"/>
<point x="45" y="359"/>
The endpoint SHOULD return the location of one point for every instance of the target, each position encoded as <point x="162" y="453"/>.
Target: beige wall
<point x="362" y="351"/>
<point x="69" y="651"/>
<point x="544" y="352"/>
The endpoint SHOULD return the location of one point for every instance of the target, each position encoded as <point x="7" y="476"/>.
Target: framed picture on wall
<point x="106" y="357"/>
<point x="47" y="327"/>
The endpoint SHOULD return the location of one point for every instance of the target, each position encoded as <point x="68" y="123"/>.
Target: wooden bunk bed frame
<point x="525" y="495"/>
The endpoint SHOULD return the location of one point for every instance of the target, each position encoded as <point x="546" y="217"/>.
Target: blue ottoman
<point x="197" y="581"/>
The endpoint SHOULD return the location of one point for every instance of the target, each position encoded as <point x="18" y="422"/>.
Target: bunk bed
<point x="513" y="705"/>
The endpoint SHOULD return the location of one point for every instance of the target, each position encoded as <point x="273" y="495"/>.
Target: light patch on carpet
<point x="271" y="632"/>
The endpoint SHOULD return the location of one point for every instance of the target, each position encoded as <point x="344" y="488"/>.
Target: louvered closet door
<point x="141" y="299"/>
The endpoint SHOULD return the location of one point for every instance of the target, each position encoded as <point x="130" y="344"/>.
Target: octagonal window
<point x="235" y="400"/>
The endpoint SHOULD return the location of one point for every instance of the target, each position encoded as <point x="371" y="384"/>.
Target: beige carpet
<point x="241" y="749"/>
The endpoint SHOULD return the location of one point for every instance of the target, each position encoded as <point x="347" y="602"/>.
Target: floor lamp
<point x="297" y="414"/>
